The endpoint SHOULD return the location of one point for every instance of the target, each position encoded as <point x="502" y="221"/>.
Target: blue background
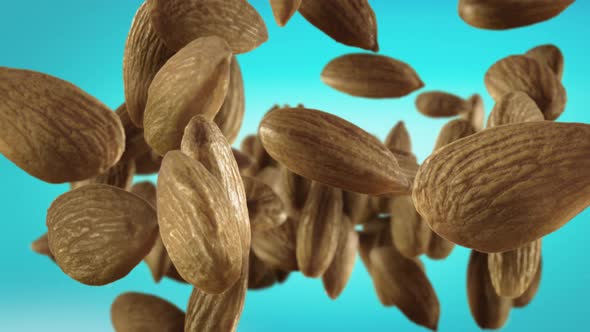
<point x="83" y="41"/>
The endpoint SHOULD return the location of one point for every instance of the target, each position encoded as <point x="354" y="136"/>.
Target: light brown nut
<point x="158" y="260"/>
<point x="318" y="231"/>
<point x="135" y="144"/>
<point x="193" y="82"/>
<point x="411" y="235"/>
<point x="398" y="138"/>
<point x="248" y="145"/>
<point x="509" y="14"/>
<point x="402" y="282"/>
<point x="276" y="247"/>
<point x="53" y="130"/>
<point x="338" y="273"/>
<point x="438" y="104"/>
<point x="99" y="233"/>
<point x="244" y="161"/>
<point x="357" y="207"/>
<point x="521" y="73"/>
<point x="496" y="190"/>
<point x="514" y="107"/>
<point x="145" y="190"/>
<point x="526" y="298"/>
<point x="133" y="312"/>
<point x="408" y="164"/>
<point x="265" y="207"/>
<point x="145" y="53"/>
<point x="452" y="131"/>
<point x="230" y="116"/>
<point x="489" y="310"/>
<point x="438" y="247"/>
<point x="350" y="22"/>
<point x="296" y="189"/>
<point x="173" y="274"/>
<point x="260" y="275"/>
<point x="551" y="56"/>
<point x="331" y="150"/>
<point x="197" y="224"/>
<point x="476" y="116"/>
<point x="179" y="22"/>
<point x="513" y="271"/>
<point x="148" y="163"/>
<point x="120" y="175"/>
<point x="41" y="246"/>
<point x="283" y="10"/>
<point x="371" y="76"/>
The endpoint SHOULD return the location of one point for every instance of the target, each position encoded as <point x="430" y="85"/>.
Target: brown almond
<point x="248" y="144"/>
<point x="145" y="53"/>
<point x="283" y="10"/>
<point x="506" y="179"/>
<point x="120" y="175"/>
<point x="179" y="22"/>
<point x="148" y="163"/>
<point x="350" y="22"/>
<point x="197" y="224"/>
<point x="476" y="116"/>
<point x="452" y="131"/>
<point x="528" y="296"/>
<point x="265" y="207"/>
<point x="551" y="56"/>
<point x="135" y="144"/>
<point x="41" y="246"/>
<point x="439" y="247"/>
<point x="231" y="115"/>
<point x="509" y="14"/>
<point x="296" y="189"/>
<point x="489" y="310"/>
<point x="193" y="82"/>
<point x="356" y="206"/>
<point x="173" y="274"/>
<point x="513" y="271"/>
<point x="145" y="190"/>
<point x="438" y="104"/>
<point x="99" y="233"/>
<point x="371" y="76"/>
<point x="132" y="312"/>
<point x="276" y="247"/>
<point x="53" y="130"/>
<point x="331" y="150"/>
<point x="514" y="107"/>
<point x="338" y="273"/>
<point x="522" y="73"/>
<point x="411" y="235"/>
<point x="244" y="161"/>
<point x="398" y="138"/>
<point x="260" y="275"/>
<point x="408" y="163"/>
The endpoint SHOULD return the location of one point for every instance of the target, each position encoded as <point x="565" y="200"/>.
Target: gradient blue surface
<point x="83" y="41"/>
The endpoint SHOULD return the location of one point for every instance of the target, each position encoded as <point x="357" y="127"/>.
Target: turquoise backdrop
<point x="83" y="41"/>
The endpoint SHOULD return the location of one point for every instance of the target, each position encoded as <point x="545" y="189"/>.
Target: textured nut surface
<point x="513" y="271"/>
<point x="410" y="234"/>
<point x="283" y="10"/>
<point x="398" y="138"/>
<point x="120" y="175"/>
<point x="514" y="107"/>
<point x="277" y="246"/>
<point x="529" y="294"/>
<point x="550" y="55"/>
<point x="338" y="273"/>
<point x="133" y="312"/>
<point x="265" y="207"/>
<point x="231" y="115"/>
<point x="438" y="104"/>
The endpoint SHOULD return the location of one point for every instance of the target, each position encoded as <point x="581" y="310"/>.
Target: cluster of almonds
<point x="311" y="189"/>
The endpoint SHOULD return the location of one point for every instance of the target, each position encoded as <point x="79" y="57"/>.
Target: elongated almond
<point x="514" y="107"/>
<point x="135" y="144"/>
<point x="283" y="10"/>
<point x="194" y="81"/>
<point x="398" y="138"/>
<point x="277" y="246"/>
<point x="120" y="175"/>
<point x="439" y="247"/>
<point x="476" y="116"/>
<point x="350" y="22"/>
<point x="356" y="206"/>
<point x="506" y="179"/>
<point x="371" y="76"/>
<point x="296" y="189"/>
<point x="411" y="235"/>
<point x="145" y="53"/>
<point x="508" y="14"/>
<point x="132" y="312"/>
<point x="230" y="116"/>
<point x="522" y="73"/>
<point x="99" y="233"/>
<point x="513" y="271"/>
<point x="336" y="276"/>
<point x="53" y="130"/>
<point x="438" y="104"/>
<point x="197" y="225"/>
<point x="408" y="163"/>
<point x="526" y="298"/>
<point x="41" y="246"/>
<point x="331" y="150"/>
<point x="551" y="56"/>
<point x="489" y="310"/>
<point x="452" y="131"/>
<point x="265" y="207"/>
<point x="179" y="22"/>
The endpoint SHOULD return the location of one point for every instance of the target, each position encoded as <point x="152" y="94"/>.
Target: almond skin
<point x="231" y="115"/>
<point x="197" y="225"/>
<point x="452" y="131"/>
<point x="296" y="189"/>
<point x="476" y="116"/>
<point x="411" y="235"/>
<point x="193" y="82"/>
<point x="148" y="163"/>
<point x="551" y="56"/>
<point x="350" y="22"/>
<point x="438" y="104"/>
<point x="178" y="22"/>
<point x="132" y="312"/>
<point x="371" y="76"/>
<point x="283" y="10"/>
<point x="526" y="298"/>
<point x="244" y="161"/>
<point x="338" y="273"/>
<point x="514" y="107"/>
<point x="330" y="150"/>
<point x="513" y="271"/>
<point x="99" y="233"/>
<point x="265" y="207"/>
<point x="276" y="247"/>
<point x="260" y="275"/>
<point x="398" y="139"/>
<point x="53" y="130"/>
<point x="509" y="14"/>
<point x="495" y="191"/>
<point x="135" y="144"/>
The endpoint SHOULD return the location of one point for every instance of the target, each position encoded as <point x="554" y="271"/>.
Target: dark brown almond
<point x="296" y="189"/>
<point x="411" y="235"/>
<point x="135" y="144"/>
<point x="551" y="56"/>
<point x="41" y="246"/>
<point x="260" y="275"/>
<point x="148" y="163"/>
<point x="277" y="246"/>
<point x="371" y="76"/>
<point x="132" y="312"/>
<point x="514" y="107"/>
<point x="265" y="207"/>
<point x="476" y="116"/>
<point x="336" y="276"/>
<point x="513" y="271"/>
<point x="283" y="10"/>
<point x="398" y="139"/>
<point x="99" y="233"/>
<point x="526" y="298"/>
<point x="439" y="247"/>
<point x="145" y="190"/>
<point x="120" y="175"/>
<point x="244" y="161"/>
<point x="231" y="115"/>
<point x="439" y="104"/>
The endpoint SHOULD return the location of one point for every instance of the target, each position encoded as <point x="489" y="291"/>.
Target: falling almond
<point x="231" y="115"/>
<point x="283" y="10"/>
<point x="551" y="56"/>
<point x="514" y="107"/>
<point x="411" y="235"/>
<point x="338" y="273"/>
<point x="142" y="312"/>
<point x="398" y="139"/>
<point x="265" y="207"/>
<point x="512" y="272"/>
<point x="438" y="104"/>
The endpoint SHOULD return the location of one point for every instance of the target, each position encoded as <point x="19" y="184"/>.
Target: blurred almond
<point x="452" y="131"/>
<point x="438" y="247"/>
<point x="411" y="235"/>
<point x="133" y="312"/>
<point x="135" y="144"/>
<point x="41" y="246"/>
<point x="260" y="275"/>
<point x="398" y="139"/>
<point x="526" y="298"/>
<point x="514" y="107"/>
<point x="265" y="208"/>
<point x="338" y="273"/>
<point x="551" y="56"/>
<point x="476" y="116"/>
<point x="247" y="145"/>
<point x="230" y="116"/>
<point x="244" y="161"/>
<point x="276" y="247"/>
<point x="120" y="175"/>
<point x="296" y="189"/>
<point x="148" y="163"/>
<point x="513" y="271"/>
<point x="283" y="10"/>
<point x="438" y="104"/>
<point x="356" y="206"/>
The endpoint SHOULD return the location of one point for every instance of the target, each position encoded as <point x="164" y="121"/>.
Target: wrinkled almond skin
<point x="411" y="235"/>
<point x="495" y="191"/>
<point x="338" y="273"/>
<point x="53" y="130"/>
<point x="438" y="104"/>
<point x="99" y="233"/>
<point x="513" y="271"/>
<point x="528" y="296"/>
<point x="522" y="73"/>
<point x="509" y="14"/>
<point x="178" y="22"/>
<point x="331" y="150"/>
<point x="231" y="115"/>
<point x="197" y="225"/>
<point x="120" y="175"/>
<point x="145" y="53"/>
<point x="476" y="116"/>
<point x="265" y="207"/>
<point x="276" y="247"/>
<point x="133" y="312"/>
<point x="514" y="107"/>
<point x="318" y="232"/>
<point x="193" y="82"/>
<point x="489" y="310"/>
<point x="283" y="10"/>
<point x="398" y="139"/>
<point x="371" y="76"/>
<point x="551" y="56"/>
<point x="41" y="246"/>
<point x="350" y="22"/>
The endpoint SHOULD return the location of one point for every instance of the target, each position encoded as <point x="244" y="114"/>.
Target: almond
<point x="452" y="131"/>
<point x="476" y="116"/>
<point x="438" y="247"/>
<point x="356" y="207"/>
<point x="135" y="144"/>
<point x="551" y="56"/>
<point x="148" y="163"/>
<point x="398" y="139"/>
<point x="260" y="275"/>
<point x="411" y="235"/>
<point x="296" y="189"/>
<point x="41" y="246"/>
<point x="283" y="10"/>
<point x="338" y="273"/>
<point x="513" y="271"/>
<point x="276" y="247"/>
<point x="514" y="107"/>
<point x="438" y="104"/>
<point x="244" y="161"/>
<point x="529" y="294"/>
<point x="120" y="175"/>
<point x="142" y="312"/>
<point x="265" y="208"/>
<point x="230" y="116"/>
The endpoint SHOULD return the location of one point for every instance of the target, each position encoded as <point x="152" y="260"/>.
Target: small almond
<point x="476" y="116"/>
<point x="296" y="189"/>
<point x="514" y="107"/>
<point x="265" y="207"/>
<point x="120" y="175"/>
<point x="551" y="56"/>
<point x="513" y="271"/>
<point x="452" y="131"/>
<point x="276" y="247"/>
<point x="438" y="104"/>
<point x="135" y="144"/>
<point x="283" y="10"/>
<point x="338" y="273"/>
<point x="439" y="247"/>
<point x="132" y="312"/>
<point x="41" y="246"/>
<point x="148" y="163"/>
<point x="398" y="138"/>
<point x="231" y="115"/>
<point x="411" y="235"/>
<point x="528" y="296"/>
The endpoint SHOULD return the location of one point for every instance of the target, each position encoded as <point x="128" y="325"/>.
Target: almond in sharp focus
<point x="371" y="76"/>
<point x="265" y="208"/>
<point x="197" y="224"/>
<point x="441" y="104"/>
<point x="53" y="130"/>
<point x="283" y="10"/>
<point x="277" y="246"/>
<point x="514" y="107"/>
<point x="99" y="233"/>
<point x="230" y="116"/>
<point x="513" y="271"/>
<point x="179" y="22"/>
<point x="336" y="276"/>
<point x="526" y="298"/>
<point x="411" y="235"/>
<point x="132" y="312"/>
<point x="508" y="14"/>
<point x="551" y="56"/>
<point x="506" y="179"/>
<point x="331" y="150"/>
<point x="522" y="73"/>
<point x="194" y="81"/>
